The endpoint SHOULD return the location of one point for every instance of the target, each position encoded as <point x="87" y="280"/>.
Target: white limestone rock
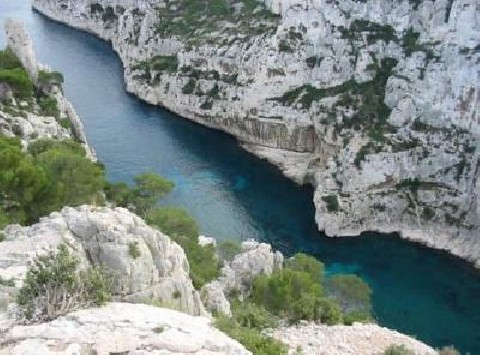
<point x="237" y="276"/>
<point x="120" y="328"/>
<point x="357" y="339"/>
<point x="102" y="236"/>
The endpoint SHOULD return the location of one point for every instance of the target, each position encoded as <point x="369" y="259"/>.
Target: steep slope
<point x="44" y="114"/>
<point x="373" y="102"/>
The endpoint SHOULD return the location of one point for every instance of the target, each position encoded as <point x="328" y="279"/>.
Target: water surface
<point x="232" y="194"/>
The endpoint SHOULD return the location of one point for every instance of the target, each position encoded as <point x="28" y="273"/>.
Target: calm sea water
<point x="235" y="195"/>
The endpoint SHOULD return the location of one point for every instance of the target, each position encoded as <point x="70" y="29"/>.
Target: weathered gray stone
<point x="102" y="237"/>
<point x="120" y="328"/>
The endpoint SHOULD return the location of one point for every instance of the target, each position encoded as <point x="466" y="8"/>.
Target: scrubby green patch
<point x="332" y="203"/>
<point x="7" y="282"/>
<point x="410" y="44"/>
<point x="50" y="77"/>
<point x="48" y="106"/>
<point x="395" y="349"/>
<point x="204" y="21"/>
<point x="227" y="250"/>
<point x="46" y="178"/>
<point x="251" y="338"/>
<point x="134" y="250"/>
<point x="19" y="82"/>
<point x="300" y="291"/>
<point x="55" y="285"/>
<point x="14" y="75"/>
<point x="353" y="295"/>
<point x="375" y="31"/>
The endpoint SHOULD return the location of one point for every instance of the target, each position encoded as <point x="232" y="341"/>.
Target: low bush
<point x="353" y="295"/>
<point x="251" y="338"/>
<point x="332" y="203"/>
<point x="55" y="285"/>
<point x="227" y="250"/>
<point x="395" y="349"/>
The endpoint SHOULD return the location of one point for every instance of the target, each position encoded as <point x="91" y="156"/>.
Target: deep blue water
<point x="235" y="195"/>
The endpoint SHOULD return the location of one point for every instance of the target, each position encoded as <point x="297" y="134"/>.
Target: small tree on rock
<point x="55" y="285"/>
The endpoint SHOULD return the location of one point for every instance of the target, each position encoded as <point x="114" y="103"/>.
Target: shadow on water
<point x="232" y="194"/>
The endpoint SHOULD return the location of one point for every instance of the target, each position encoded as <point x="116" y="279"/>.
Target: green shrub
<point x="352" y="293"/>
<point x="96" y="8"/>
<point x="332" y="203"/>
<point x="55" y="285"/>
<point x="8" y="60"/>
<point x="134" y="250"/>
<point x="250" y="315"/>
<point x="109" y="14"/>
<point x="409" y="43"/>
<point x="288" y="293"/>
<point x="395" y="349"/>
<point x="7" y="282"/>
<point x="308" y="264"/>
<point x="18" y="80"/>
<point x="148" y="189"/>
<point x="50" y="175"/>
<point x="167" y="63"/>
<point x="189" y="87"/>
<point x="227" y="250"/>
<point x="50" y="77"/>
<point x="48" y="106"/>
<point x="65" y="123"/>
<point x="178" y="225"/>
<point x="251" y="338"/>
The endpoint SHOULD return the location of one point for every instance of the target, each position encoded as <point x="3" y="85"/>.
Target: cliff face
<point x="374" y="102"/>
<point x="102" y="237"/>
<point x="24" y="118"/>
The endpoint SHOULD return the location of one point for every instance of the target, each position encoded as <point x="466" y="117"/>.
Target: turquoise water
<point x="235" y="195"/>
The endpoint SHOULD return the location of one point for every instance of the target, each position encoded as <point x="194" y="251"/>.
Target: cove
<point x="232" y="194"/>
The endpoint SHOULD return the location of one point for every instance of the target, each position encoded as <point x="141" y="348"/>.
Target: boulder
<point x="100" y="236"/>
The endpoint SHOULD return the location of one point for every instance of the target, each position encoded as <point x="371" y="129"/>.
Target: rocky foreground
<point x="121" y="328"/>
<point x="316" y="339"/>
<point x="101" y="236"/>
<point x="373" y="102"/>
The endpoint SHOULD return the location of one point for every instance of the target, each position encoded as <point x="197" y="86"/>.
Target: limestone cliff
<point x="25" y="118"/>
<point x="103" y="237"/>
<point x="374" y="102"/>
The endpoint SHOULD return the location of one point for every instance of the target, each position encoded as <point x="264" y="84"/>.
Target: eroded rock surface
<point x="103" y="237"/>
<point x="358" y="339"/>
<point x="120" y="328"/>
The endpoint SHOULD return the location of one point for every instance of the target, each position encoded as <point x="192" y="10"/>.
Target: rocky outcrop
<point x="23" y="118"/>
<point x="157" y="271"/>
<point x="120" y="328"/>
<point x="237" y="276"/>
<point x="358" y="339"/>
<point x="373" y="102"/>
